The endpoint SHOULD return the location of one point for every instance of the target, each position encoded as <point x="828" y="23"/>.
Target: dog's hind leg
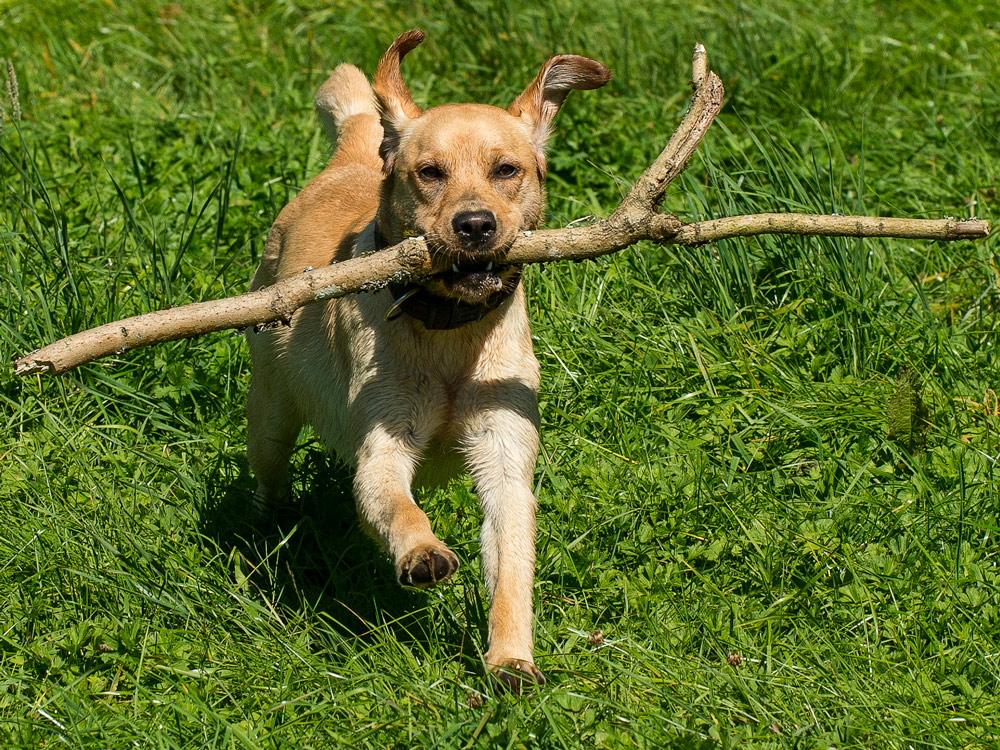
<point x="272" y="427"/>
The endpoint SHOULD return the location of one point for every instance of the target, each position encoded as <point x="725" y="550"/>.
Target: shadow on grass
<point x="311" y="557"/>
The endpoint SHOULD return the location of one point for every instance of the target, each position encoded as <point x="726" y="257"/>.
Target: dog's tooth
<point x="454" y="267"/>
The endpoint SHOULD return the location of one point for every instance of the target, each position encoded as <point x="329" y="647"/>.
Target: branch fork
<point x="637" y="218"/>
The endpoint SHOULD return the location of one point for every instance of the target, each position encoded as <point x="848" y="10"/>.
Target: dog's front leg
<point x="386" y="462"/>
<point x="500" y="443"/>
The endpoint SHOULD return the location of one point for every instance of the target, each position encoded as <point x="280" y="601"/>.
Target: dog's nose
<point x="474" y="227"/>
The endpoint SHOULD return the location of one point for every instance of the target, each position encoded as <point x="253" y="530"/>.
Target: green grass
<point x="719" y="491"/>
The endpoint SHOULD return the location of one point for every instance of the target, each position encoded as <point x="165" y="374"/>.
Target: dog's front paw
<point x="426" y="565"/>
<point x="516" y="675"/>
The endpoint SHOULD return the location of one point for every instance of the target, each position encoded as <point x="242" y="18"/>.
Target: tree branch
<point x="636" y="219"/>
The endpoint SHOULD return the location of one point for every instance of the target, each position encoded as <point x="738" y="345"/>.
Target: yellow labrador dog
<point x="416" y="379"/>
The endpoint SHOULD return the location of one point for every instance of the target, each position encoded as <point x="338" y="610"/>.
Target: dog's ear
<point x="538" y="104"/>
<point x="394" y="101"/>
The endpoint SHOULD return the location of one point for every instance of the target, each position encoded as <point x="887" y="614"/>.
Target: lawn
<point x="768" y="498"/>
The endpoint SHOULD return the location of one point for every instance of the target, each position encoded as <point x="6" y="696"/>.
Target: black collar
<point x="435" y="312"/>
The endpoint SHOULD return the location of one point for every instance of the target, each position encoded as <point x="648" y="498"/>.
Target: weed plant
<point x="769" y="504"/>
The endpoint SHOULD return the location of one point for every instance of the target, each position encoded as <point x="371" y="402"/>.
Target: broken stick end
<point x="699" y="66"/>
<point x="28" y="366"/>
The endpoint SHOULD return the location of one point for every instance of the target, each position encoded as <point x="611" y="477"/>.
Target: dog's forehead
<point x="454" y="128"/>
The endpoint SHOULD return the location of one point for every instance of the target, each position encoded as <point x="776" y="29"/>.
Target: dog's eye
<point x="506" y="171"/>
<point x="430" y="173"/>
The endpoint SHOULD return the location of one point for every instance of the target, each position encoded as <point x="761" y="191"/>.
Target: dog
<point x="413" y="382"/>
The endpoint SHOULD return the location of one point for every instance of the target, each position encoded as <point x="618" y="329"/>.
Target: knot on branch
<point x="414" y="256"/>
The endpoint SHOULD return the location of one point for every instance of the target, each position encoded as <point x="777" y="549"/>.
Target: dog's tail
<point x="346" y="93"/>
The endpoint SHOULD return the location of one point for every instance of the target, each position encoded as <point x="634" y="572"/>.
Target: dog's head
<point x="469" y="177"/>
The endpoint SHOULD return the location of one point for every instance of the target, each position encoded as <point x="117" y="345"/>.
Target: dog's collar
<point x="440" y="313"/>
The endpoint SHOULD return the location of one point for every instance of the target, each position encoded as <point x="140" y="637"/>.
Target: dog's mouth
<point x="474" y="281"/>
<point x="469" y="271"/>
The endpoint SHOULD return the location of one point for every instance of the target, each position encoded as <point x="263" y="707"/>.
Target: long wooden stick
<point x="636" y="219"/>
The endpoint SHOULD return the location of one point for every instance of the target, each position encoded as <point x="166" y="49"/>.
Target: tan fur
<point x="393" y="398"/>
